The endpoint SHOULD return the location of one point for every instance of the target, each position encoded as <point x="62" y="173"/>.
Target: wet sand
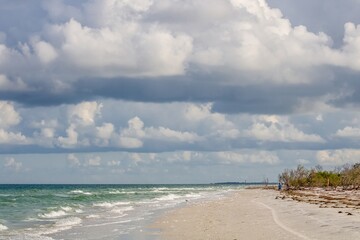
<point x="258" y="214"/>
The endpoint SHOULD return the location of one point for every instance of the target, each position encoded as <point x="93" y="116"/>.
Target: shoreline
<point x="257" y="214"/>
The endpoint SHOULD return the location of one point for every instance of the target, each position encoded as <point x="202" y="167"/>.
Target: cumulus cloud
<point x="90" y="161"/>
<point x="71" y="140"/>
<point x="114" y="163"/>
<point x="12" y="138"/>
<point x="351" y="48"/>
<point x="162" y="133"/>
<point x="45" y="133"/>
<point x="84" y="113"/>
<point x="238" y="157"/>
<point x="8" y="115"/>
<point x="187" y="157"/>
<point x="141" y="43"/>
<point x="82" y="129"/>
<point x="12" y="164"/>
<point x="45" y="52"/>
<point x="348" y="132"/>
<point x="215" y="123"/>
<point x="275" y="128"/>
<point x="131" y="136"/>
<point x="104" y="133"/>
<point x="127" y="49"/>
<point x="93" y="161"/>
<point x="338" y="157"/>
<point x="249" y="59"/>
<point x="73" y="160"/>
<point x="11" y="85"/>
<point x="136" y="133"/>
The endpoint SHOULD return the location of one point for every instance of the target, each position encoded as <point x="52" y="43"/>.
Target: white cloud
<point x="12" y="138"/>
<point x="112" y="13"/>
<point x="217" y="124"/>
<point x="302" y="161"/>
<point x="114" y="163"/>
<point x="202" y="113"/>
<point x="47" y="132"/>
<point x="154" y="38"/>
<point x="82" y="119"/>
<point x="52" y="123"/>
<point x="351" y="48"/>
<point x="45" y="52"/>
<point x="127" y="49"/>
<point x="129" y="142"/>
<point x="136" y="133"/>
<point x="348" y="132"/>
<point x="185" y="156"/>
<point x="319" y="118"/>
<point x="73" y="160"/>
<point x="136" y="158"/>
<point x="12" y="164"/>
<point x="72" y="138"/>
<point x="275" y="128"/>
<point x="167" y="134"/>
<point x="238" y="157"/>
<point x="105" y="131"/>
<point x="131" y="136"/>
<point x="338" y="157"/>
<point x="8" y="115"/>
<point x="59" y="11"/>
<point x="94" y="161"/>
<point x="84" y="113"/>
<point x="259" y="41"/>
<point x="11" y="85"/>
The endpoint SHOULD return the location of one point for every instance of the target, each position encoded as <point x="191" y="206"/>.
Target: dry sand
<point x="257" y="214"/>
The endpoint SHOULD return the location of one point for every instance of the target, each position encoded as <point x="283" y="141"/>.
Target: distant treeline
<point x="347" y="176"/>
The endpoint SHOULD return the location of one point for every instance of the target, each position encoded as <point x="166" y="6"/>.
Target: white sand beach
<point x="257" y="214"/>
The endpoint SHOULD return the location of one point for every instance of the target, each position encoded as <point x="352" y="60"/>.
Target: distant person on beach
<point x="279" y="186"/>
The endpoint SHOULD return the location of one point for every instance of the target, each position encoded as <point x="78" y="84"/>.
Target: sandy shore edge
<point x="257" y="214"/>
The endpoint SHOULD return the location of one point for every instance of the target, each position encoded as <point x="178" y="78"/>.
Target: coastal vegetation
<point x="347" y="177"/>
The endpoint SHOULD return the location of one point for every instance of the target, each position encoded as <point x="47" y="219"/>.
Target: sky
<point x="176" y="91"/>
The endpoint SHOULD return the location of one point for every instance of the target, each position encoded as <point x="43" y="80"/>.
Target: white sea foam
<point x="116" y="192"/>
<point x="67" y="209"/>
<point x="193" y="195"/>
<point x="68" y="222"/>
<point x="93" y="216"/>
<point x="168" y="197"/>
<point x="122" y="210"/>
<point x="160" y="189"/>
<point x="3" y="227"/>
<point x="80" y="192"/>
<point x="122" y="192"/>
<point x="79" y="211"/>
<point x="110" y="204"/>
<point x="108" y="223"/>
<point x="61" y="225"/>
<point x="53" y="214"/>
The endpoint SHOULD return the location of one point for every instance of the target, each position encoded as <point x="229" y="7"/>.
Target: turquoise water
<point x="91" y="211"/>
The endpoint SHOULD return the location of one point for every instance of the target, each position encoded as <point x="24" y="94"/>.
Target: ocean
<point x="93" y="211"/>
